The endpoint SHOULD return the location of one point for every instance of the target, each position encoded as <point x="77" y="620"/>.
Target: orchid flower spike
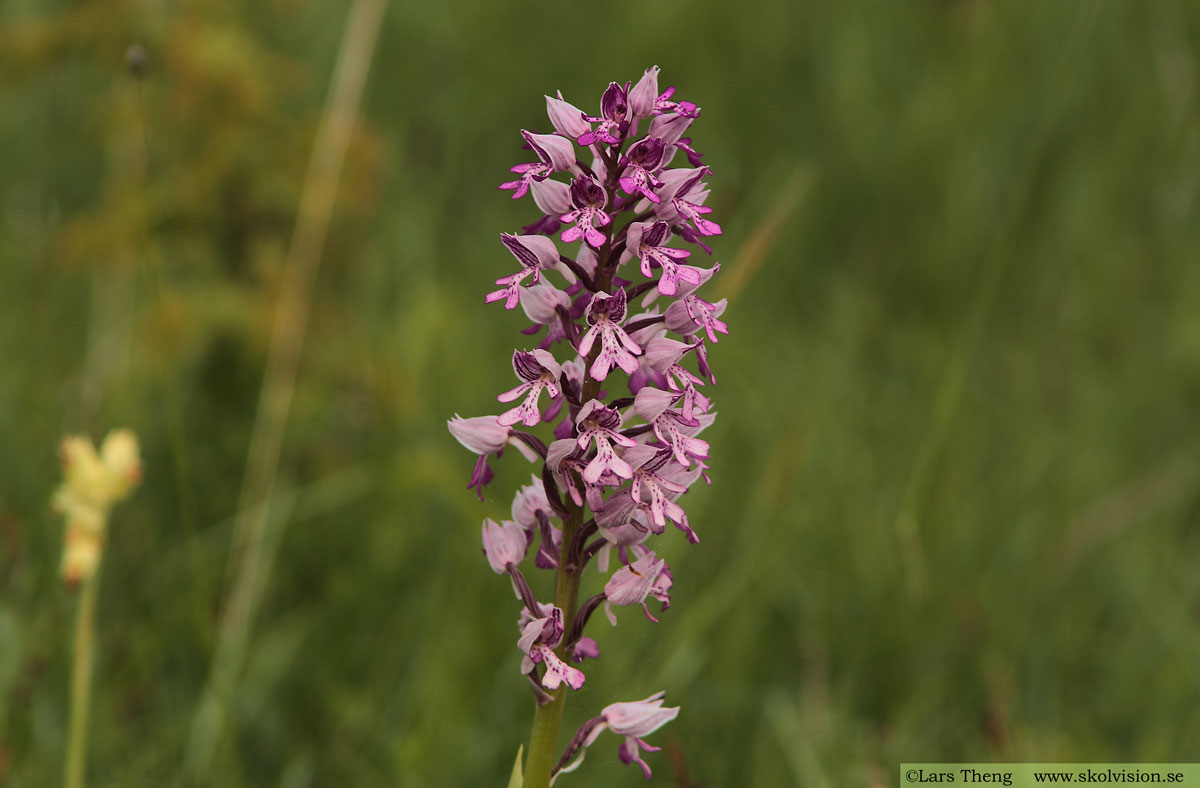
<point x="608" y="406"/>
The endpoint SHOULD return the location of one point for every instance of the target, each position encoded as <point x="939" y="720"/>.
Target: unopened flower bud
<point x="503" y="544"/>
<point x="644" y="94"/>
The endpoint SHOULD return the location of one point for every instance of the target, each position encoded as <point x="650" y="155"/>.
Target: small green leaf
<point x="518" y="777"/>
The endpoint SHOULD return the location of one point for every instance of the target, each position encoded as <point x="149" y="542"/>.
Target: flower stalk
<point x="93" y="482"/>
<point x="81" y="675"/>
<point x="547" y="717"/>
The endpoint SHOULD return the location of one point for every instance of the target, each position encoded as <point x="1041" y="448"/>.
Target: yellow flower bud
<point x="92" y="483"/>
<point x="121" y="459"/>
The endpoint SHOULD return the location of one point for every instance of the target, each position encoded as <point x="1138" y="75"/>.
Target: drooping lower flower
<point x="634" y="720"/>
<point x="484" y="435"/>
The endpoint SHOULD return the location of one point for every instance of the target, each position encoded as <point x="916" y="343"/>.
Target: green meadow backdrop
<point x="956" y="473"/>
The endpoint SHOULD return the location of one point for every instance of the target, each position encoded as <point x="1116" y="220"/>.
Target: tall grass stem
<point x="248" y="564"/>
<point x="81" y="674"/>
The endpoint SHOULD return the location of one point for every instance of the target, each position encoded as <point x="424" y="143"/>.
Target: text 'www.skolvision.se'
<point x="1023" y="775"/>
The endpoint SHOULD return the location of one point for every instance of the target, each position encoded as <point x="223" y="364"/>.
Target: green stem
<point x="547" y="719"/>
<point x="543" y="740"/>
<point x="81" y="673"/>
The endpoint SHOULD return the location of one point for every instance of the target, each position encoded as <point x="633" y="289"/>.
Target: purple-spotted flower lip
<point x="539" y="637"/>
<point x="684" y="446"/>
<point x="685" y="288"/>
<point x="599" y="423"/>
<point x="653" y="492"/>
<point x="589" y="199"/>
<point x="663" y="105"/>
<point x="555" y="154"/>
<point x="617" y="348"/>
<point x="557" y="671"/>
<point x="534" y="252"/>
<point x="647" y="242"/>
<point x="691" y="313"/>
<point x="681" y="200"/>
<point x="693" y="210"/>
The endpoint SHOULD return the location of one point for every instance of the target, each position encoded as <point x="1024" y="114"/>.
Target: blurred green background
<point x="956" y="479"/>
